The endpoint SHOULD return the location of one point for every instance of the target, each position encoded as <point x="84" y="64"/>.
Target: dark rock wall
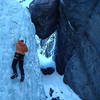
<point x="82" y="71"/>
<point x="77" y="52"/>
<point x="44" y="14"/>
<point x="65" y="41"/>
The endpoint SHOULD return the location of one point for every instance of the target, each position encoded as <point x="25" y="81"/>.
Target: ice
<point x="15" y="24"/>
<point x="25" y="3"/>
<point x="45" y="62"/>
<point x="55" y="83"/>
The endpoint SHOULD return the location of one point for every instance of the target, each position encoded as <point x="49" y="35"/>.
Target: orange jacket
<point x="21" y="47"/>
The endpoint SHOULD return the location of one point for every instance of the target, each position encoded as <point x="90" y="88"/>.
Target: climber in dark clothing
<point x="21" y="49"/>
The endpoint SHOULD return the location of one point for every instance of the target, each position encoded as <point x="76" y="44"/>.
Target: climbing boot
<point x="22" y="78"/>
<point x="13" y="76"/>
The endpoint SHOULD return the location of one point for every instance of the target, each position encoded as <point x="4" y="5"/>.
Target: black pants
<point x="18" y="58"/>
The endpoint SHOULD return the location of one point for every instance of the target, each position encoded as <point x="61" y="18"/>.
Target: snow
<point x="15" y="24"/>
<point x="46" y="62"/>
<point x="54" y="83"/>
<point x="25" y="3"/>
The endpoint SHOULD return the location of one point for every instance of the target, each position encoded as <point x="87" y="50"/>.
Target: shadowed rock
<point x="77" y="52"/>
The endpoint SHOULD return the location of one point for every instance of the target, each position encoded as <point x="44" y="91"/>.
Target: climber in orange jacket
<point x="21" y="49"/>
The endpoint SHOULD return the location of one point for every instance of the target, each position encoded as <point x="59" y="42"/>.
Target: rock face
<point x="77" y="52"/>
<point x="47" y="10"/>
<point x="13" y="19"/>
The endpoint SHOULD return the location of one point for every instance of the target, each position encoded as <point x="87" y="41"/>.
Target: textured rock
<point x="77" y="52"/>
<point x="47" y="71"/>
<point x="81" y="70"/>
<point x="44" y="15"/>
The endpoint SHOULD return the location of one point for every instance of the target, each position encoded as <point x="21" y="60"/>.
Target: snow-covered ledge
<point x="15" y="24"/>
